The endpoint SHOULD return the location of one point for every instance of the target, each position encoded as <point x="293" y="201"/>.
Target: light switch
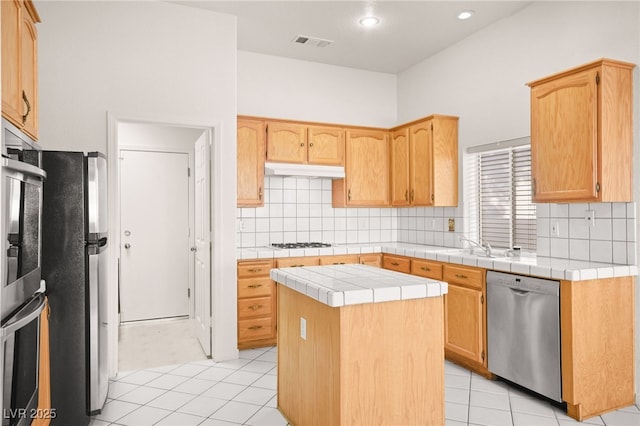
<point x="303" y="328"/>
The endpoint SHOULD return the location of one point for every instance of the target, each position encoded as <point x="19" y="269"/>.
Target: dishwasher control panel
<point x="523" y="282"/>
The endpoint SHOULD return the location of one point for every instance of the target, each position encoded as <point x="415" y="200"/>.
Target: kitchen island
<point x="359" y="345"/>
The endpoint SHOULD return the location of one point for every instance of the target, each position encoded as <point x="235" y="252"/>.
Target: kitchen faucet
<point x="486" y="247"/>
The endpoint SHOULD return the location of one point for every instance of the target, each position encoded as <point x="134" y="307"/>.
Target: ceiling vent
<point x="312" y="41"/>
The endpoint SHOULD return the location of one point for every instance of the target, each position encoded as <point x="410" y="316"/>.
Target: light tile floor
<point x="243" y="392"/>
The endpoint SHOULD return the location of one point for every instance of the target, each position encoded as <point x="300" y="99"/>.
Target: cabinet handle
<point x="424" y="268"/>
<point x="338" y="263"/>
<point x="26" y="101"/>
<point x="413" y="193"/>
<point x="464" y="277"/>
<point x="255" y="270"/>
<point x="311" y="144"/>
<point x="255" y="307"/>
<point x="260" y="193"/>
<point x="255" y="286"/>
<point x="406" y="195"/>
<point x="431" y="197"/>
<point x="255" y="327"/>
<point x="395" y="263"/>
<point x="302" y="144"/>
<point x="349" y="195"/>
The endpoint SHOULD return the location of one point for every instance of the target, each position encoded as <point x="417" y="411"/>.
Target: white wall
<point x="482" y="78"/>
<point x="276" y="87"/>
<point x="158" y="61"/>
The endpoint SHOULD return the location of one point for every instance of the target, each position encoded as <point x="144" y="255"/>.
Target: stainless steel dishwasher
<point x="523" y="331"/>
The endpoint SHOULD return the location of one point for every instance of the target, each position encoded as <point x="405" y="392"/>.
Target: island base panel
<point x="375" y="363"/>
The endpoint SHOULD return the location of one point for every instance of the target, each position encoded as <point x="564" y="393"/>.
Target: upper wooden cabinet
<point x="251" y="154"/>
<point x="367" y="170"/>
<point x="581" y="134"/>
<point x="424" y="163"/>
<point x="298" y="143"/>
<point x="20" y="65"/>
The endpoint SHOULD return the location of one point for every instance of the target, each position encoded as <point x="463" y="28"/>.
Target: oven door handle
<point x="24" y="316"/>
<point x="26" y="168"/>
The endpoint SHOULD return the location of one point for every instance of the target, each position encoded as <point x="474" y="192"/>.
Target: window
<point x="505" y="213"/>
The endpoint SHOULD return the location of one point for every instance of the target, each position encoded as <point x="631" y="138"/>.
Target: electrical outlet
<point x="303" y="328"/>
<point x="452" y="224"/>
<point x="590" y="217"/>
<point x="555" y="229"/>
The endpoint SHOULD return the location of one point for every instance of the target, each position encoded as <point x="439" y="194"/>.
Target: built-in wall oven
<point x="21" y="292"/>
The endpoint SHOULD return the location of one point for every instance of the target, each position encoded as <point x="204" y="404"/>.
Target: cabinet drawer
<point x="287" y="262"/>
<point x="255" y="287"/>
<point x="371" y="260"/>
<point x="466" y="276"/>
<point x="396" y="263"/>
<point x="427" y="269"/>
<point x="255" y="307"/>
<point x="339" y="259"/>
<point x="255" y="329"/>
<point x="254" y="269"/>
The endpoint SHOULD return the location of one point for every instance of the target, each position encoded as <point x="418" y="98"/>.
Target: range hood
<point x="304" y="170"/>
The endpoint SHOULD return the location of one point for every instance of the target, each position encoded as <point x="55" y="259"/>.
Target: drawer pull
<point x="395" y="263"/>
<point x="254" y="270"/>
<point x="424" y="268"/>
<point x="255" y="307"/>
<point x="338" y="263"/>
<point x="464" y="277"/>
<point x="255" y="327"/>
<point x="254" y="286"/>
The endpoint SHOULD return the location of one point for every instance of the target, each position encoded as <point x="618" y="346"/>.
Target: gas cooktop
<point x="299" y="245"/>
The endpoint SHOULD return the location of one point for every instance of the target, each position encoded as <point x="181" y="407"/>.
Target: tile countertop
<point x="342" y="285"/>
<point x="527" y="264"/>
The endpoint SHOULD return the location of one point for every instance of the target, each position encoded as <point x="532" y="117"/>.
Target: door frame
<point x="223" y="276"/>
<point x="190" y="213"/>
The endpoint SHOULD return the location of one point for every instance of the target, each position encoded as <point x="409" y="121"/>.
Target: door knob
<point x="127" y="246"/>
<point x="194" y="249"/>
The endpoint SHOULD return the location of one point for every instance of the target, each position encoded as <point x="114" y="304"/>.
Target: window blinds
<point x="507" y="217"/>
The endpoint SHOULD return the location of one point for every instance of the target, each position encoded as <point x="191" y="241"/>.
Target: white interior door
<point x="154" y="252"/>
<point x="203" y="242"/>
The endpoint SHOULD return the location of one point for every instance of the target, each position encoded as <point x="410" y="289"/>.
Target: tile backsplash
<point x="300" y="210"/>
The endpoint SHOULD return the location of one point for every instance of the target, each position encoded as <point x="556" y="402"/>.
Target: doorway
<point x="156" y="237"/>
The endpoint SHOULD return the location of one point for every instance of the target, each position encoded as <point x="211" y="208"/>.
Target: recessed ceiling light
<point x="369" y="21"/>
<point x="465" y="14"/>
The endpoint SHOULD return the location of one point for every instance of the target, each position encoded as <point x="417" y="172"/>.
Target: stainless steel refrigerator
<point x="74" y="265"/>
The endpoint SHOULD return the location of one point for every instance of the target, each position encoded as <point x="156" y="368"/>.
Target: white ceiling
<point x="409" y="31"/>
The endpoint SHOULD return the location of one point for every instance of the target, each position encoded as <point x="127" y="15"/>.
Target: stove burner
<point x="299" y="245"/>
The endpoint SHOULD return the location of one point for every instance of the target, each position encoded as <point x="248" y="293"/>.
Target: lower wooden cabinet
<point x="339" y="259"/>
<point x="396" y="263"/>
<point x="371" y="259"/>
<point x="256" y="304"/>
<point x="465" y="336"/>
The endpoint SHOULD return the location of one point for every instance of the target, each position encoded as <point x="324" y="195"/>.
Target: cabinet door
<point x="11" y="64"/>
<point x="326" y="145"/>
<point x="463" y="333"/>
<point x="367" y="168"/>
<point x="399" y="165"/>
<point x="286" y="143"/>
<point x="564" y="138"/>
<point x="421" y="169"/>
<point x="29" y="78"/>
<point x="250" y="163"/>
<point x="445" y="161"/>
